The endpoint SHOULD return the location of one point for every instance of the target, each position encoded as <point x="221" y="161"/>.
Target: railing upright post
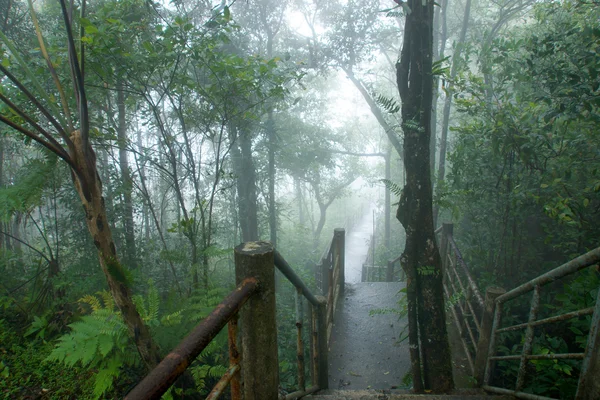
<point x="340" y="237"/>
<point x="483" y="343"/>
<point x="389" y="275"/>
<point x="322" y="345"/>
<point x="447" y="230"/>
<point x="363" y="273"/>
<point x="588" y="387"/>
<point x="260" y="366"/>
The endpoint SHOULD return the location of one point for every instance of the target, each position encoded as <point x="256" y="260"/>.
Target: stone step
<point x="402" y="395"/>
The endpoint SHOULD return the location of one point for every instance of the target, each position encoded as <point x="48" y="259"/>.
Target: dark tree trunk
<point x="270" y="128"/>
<point x="130" y="250"/>
<point x="241" y="154"/>
<point x="421" y="259"/>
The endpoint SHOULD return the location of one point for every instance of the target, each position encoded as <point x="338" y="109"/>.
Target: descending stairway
<point x="401" y="395"/>
<point x="363" y="350"/>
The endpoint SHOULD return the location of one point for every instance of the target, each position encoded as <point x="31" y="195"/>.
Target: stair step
<point x="401" y="395"/>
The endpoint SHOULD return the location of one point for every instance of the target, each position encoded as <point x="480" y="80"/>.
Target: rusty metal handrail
<point x="589" y="369"/>
<point x="468" y="311"/>
<point x="160" y="379"/>
<point x="289" y="273"/>
<point x="463" y="264"/>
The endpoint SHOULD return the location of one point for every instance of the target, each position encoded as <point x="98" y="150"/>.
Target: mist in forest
<point x="441" y="150"/>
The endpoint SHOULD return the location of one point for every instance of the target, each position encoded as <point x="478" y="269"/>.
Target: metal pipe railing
<point x="255" y="262"/>
<point x="588" y="387"/>
<point x="160" y="379"/>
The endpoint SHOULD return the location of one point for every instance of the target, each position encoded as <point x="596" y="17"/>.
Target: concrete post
<point x="491" y="294"/>
<point x="260" y="364"/>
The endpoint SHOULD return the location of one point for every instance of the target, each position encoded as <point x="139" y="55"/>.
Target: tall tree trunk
<point x="241" y="153"/>
<point x="440" y="33"/>
<point x="130" y="249"/>
<point x="271" y="134"/>
<point x="421" y="259"/>
<point x="388" y="202"/>
<point x="87" y="183"/>
<point x="298" y="189"/>
<point x="456" y="60"/>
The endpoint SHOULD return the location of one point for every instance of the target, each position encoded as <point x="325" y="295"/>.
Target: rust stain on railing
<point x="160" y="379"/>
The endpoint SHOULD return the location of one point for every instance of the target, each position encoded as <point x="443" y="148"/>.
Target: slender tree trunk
<point x="241" y="153"/>
<point x="130" y="248"/>
<point x="421" y="259"/>
<point x="87" y="183"/>
<point x="388" y="203"/>
<point x="456" y="60"/>
<point x="298" y="189"/>
<point x="272" y="208"/>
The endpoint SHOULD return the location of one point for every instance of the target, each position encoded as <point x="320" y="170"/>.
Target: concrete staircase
<point x="469" y="394"/>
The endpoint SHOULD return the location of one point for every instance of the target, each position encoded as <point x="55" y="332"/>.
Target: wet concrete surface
<point x="357" y="246"/>
<point x="364" y="353"/>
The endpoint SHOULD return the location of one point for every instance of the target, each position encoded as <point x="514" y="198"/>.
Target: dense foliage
<point x="212" y="124"/>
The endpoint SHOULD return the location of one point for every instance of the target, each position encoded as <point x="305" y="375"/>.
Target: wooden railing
<point x="257" y="355"/>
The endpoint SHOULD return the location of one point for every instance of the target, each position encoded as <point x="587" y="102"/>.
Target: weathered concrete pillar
<point x="340" y="238"/>
<point x="483" y="344"/>
<point x="260" y="365"/>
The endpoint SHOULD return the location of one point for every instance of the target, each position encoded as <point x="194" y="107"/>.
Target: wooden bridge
<point x="254" y="368"/>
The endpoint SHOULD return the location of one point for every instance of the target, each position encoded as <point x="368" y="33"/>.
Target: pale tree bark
<point x="456" y="62"/>
<point x="421" y="259"/>
<point x="440" y="34"/>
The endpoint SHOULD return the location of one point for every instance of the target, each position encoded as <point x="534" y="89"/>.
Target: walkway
<point x="363" y="350"/>
<point x="357" y="246"/>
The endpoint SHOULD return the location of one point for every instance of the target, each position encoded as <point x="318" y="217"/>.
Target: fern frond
<point x="393" y="187"/>
<point x="153" y="301"/>
<point x="107" y="299"/>
<point x="141" y="307"/>
<point x="389" y="104"/>
<point x="92" y="301"/>
<point x="172" y="319"/>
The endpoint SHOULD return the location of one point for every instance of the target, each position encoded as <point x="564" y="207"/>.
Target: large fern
<point x="97" y="341"/>
<point x="100" y="340"/>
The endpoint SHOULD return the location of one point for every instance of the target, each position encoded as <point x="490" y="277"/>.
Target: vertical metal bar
<point x="315" y="344"/>
<point x="234" y="357"/>
<point x="492" y="349"/>
<point x="588" y="387"/>
<point x="535" y="304"/>
<point x="300" y="341"/>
